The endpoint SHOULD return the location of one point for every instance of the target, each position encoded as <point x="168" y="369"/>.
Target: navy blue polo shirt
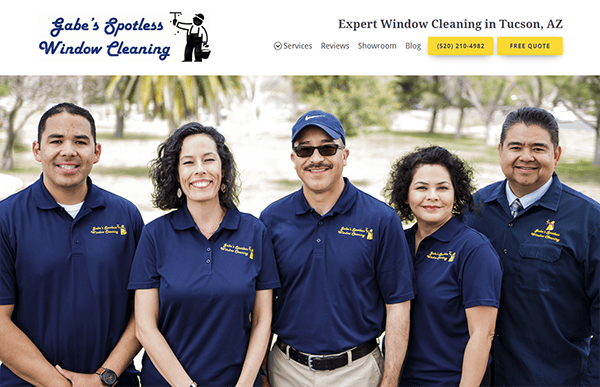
<point x="67" y="277"/>
<point x="456" y="268"/>
<point x="206" y="290"/>
<point x="337" y="271"/>
<point x="550" y="307"/>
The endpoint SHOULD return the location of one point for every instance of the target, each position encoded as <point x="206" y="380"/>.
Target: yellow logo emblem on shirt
<point x="235" y="249"/>
<point x="365" y="233"/>
<point x="447" y="257"/>
<point x="119" y="229"/>
<point x="548" y="232"/>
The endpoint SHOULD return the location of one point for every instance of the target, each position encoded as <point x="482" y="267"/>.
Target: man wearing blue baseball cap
<point x="345" y="269"/>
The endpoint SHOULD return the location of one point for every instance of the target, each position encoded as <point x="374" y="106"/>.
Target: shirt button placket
<point x="208" y="259"/>
<point x="319" y="250"/>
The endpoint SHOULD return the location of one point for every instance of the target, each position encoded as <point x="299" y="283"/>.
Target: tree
<point x="536" y="91"/>
<point x="27" y="95"/>
<point x="173" y="98"/>
<point x="581" y="95"/>
<point x="454" y="87"/>
<point x="426" y="92"/>
<point x="358" y="102"/>
<point x="487" y="94"/>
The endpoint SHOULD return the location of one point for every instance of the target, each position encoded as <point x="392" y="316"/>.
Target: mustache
<point x="317" y="165"/>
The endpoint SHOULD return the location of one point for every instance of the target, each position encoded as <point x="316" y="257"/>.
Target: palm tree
<point x="171" y="97"/>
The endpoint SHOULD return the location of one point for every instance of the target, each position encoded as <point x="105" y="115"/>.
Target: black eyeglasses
<point x="324" y="150"/>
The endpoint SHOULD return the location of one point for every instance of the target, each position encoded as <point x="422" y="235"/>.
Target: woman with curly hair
<point x="457" y="270"/>
<point x="204" y="274"/>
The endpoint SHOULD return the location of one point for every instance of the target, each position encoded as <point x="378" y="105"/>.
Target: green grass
<point x="579" y="171"/>
<point x="287" y="184"/>
<point x="137" y="171"/>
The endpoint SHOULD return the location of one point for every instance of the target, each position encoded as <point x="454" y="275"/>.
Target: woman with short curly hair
<point x="458" y="272"/>
<point x="204" y="274"/>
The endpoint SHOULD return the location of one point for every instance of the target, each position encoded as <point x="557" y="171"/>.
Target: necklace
<point x="208" y="235"/>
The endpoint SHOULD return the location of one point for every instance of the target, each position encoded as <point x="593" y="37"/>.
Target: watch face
<point x="108" y="377"/>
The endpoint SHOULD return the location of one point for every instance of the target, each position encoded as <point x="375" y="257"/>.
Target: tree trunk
<point x="433" y="118"/>
<point x="11" y="137"/>
<point x="7" y="154"/>
<point x="489" y="138"/>
<point x="459" y="126"/>
<point x="120" y="122"/>
<point x="597" y="155"/>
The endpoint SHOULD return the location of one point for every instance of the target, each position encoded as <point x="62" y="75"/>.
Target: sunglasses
<point x="324" y="150"/>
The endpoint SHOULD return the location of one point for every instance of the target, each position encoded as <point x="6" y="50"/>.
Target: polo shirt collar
<point x="449" y="230"/>
<point x="182" y="219"/>
<point x="343" y="204"/>
<point x="44" y="200"/>
<point x="444" y="234"/>
<point x="550" y="199"/>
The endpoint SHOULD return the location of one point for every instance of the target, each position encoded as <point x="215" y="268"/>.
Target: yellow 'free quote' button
<point x="519" y="45"/>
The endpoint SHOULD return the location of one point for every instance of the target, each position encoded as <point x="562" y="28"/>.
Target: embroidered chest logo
<point x="447" y="257"/>
<point x="365" y="233"/>
<point x="548" y="232"/>
<point x="235" y="249"/>
<point x="119" y="229"/>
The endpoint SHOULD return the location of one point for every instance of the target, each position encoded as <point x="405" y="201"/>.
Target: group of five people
<point x="481" y="290"/>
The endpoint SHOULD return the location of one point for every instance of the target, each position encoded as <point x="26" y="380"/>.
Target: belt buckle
<point x="310" y="360"/>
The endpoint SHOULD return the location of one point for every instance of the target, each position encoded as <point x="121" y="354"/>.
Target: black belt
<point x="327" y="362"/>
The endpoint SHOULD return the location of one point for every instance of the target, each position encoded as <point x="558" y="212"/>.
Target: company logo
<point x="235" y="249"/>
<point x="196" y="46"/>
<point x="119" y="229"/>
<point x="309" y="117"/>
<point x="365" y="233"/>
<point x="447" y="257"/>
<point x="548" y="232"/>
<point x="93" y="35"/>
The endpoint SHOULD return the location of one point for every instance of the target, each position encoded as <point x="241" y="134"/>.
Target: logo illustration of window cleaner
<point x="197" y="38"/>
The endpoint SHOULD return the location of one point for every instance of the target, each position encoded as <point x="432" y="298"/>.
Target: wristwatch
<point x="108" y="377"/>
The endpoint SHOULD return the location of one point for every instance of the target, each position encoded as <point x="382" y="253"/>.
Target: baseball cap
<point x="326" y="121"/>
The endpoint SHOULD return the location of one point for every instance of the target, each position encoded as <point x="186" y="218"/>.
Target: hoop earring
<point x="179" y="193"/>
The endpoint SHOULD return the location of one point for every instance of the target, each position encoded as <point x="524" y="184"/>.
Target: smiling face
<point x="527" y="158"/>
<point x="319" y="174"/>
<point x="67" y="153"/>
<point x="431" y="196"/>
<point x="200" y="169"/>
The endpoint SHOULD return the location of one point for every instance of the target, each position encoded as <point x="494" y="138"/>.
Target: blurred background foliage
<point x="362" y="103"/>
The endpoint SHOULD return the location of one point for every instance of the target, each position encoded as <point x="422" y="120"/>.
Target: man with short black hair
<point x="345" y="269"/>
<point x="548" y="238"/>
<point x="66" y="248"/>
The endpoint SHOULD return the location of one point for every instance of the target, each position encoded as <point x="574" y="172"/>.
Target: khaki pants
<point x="364" y="372"/>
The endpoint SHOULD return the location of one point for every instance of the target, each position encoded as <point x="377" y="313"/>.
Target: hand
<point x="81" y="380"/>
<point x="175" y="22"/>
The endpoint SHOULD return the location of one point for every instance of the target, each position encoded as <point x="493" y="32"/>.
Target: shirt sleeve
<point x="481" y="276"/>
<point x="8" y="285"/>
<point x="395" y="269"/>
<point x="268" y="278"/>
<point x="144" y="273"/>
<point x="591" y="375"/>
